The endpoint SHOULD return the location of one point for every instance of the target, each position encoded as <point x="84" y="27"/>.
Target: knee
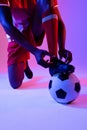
<point x="16" y="85"/>
<point x="16" y="75"/>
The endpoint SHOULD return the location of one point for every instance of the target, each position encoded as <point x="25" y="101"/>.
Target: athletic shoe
<point x="28" y="72"/>
<point x="60" y="67"/>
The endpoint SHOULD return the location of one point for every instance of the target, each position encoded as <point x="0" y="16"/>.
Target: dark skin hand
<point x="65" y="54"/>
<point x="40" y="58"/>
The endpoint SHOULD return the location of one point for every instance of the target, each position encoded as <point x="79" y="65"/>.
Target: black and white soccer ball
<point x="64" y="88"/>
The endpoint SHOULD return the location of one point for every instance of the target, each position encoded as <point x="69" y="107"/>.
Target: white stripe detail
<point x="55" y="6"/>
<point x="49" y="17"/>
<point x="4" y="5"/>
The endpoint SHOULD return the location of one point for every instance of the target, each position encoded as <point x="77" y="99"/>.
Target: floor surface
<point x="32" y="108"/>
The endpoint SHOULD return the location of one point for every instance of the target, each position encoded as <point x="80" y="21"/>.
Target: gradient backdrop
<point x="74" y="15"/>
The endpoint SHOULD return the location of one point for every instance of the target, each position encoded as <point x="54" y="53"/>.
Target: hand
<point x="65" y="54"/>
<point x="40" y="58"/>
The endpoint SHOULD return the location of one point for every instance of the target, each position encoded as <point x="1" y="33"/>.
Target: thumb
<point x="60" y="57"/>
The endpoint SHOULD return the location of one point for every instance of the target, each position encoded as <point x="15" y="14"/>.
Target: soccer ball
<point x="64" y="88"/>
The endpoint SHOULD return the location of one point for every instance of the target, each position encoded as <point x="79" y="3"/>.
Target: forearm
<point x="19" y="38"/>
<point x="61" y="36"/>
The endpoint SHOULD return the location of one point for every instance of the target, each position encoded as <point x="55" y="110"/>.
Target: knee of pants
<point x="15" y="84"/>
<point x="16" y="75"/>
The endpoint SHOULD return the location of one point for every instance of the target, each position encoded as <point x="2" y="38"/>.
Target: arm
<point x="63" y="53"/>
<point x="6" y="22"/>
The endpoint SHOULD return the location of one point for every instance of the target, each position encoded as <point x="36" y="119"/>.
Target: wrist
<point x="35" y="51"/>
<point x="61" y="50"/>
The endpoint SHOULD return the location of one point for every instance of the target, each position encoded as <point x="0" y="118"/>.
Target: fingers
<point x="69" y="57"/>
<point x="43" y="58"/>
<point x="60" y="57"/>
<point x="44" y="63"/>
<point x="46" y="53"/>
<point x="68" y="60"/>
